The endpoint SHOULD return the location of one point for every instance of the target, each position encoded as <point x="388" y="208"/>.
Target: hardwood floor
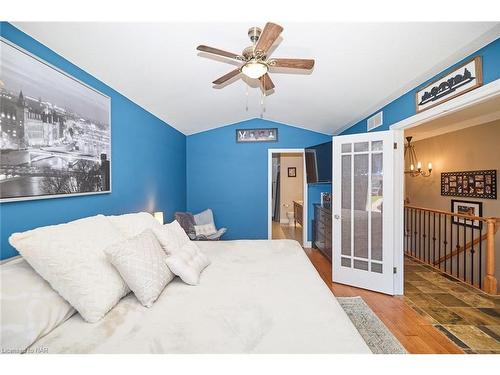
<point x="415" y="333"/>
<point x="285" y="231"/>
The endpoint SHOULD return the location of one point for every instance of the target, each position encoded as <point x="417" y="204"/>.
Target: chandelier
<point x="412" y="160"/>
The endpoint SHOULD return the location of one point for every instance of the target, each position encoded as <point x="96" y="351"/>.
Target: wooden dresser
<point x="322" y="229"/>
<point x="298" y="212"/>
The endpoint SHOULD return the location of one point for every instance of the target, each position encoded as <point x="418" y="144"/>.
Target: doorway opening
<point x="287" y="201"/>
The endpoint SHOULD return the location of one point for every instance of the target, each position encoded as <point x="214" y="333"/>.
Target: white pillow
<point x="141" y="262"/>
<point x="171" y="236"/>
<point x="29" y="307"/>
<point x="188" y="262"/>
<point x="205" y="229"/>
<point x="71" y="258"/>
<point x="130" y="225"/>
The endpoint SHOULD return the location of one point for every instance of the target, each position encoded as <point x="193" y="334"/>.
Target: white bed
<point x="255" y="297"/>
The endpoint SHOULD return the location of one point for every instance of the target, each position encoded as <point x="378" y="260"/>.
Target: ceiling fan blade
<point x="266" y="82"/>
<point x="269" y="35"/>
<point x="217" y="51"/>
<point x="293" y="63"/>
<point x="227" y="77"/>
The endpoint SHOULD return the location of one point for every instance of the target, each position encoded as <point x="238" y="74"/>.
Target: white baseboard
<point x="284" y="221"/>
<point x="308" y="244"/>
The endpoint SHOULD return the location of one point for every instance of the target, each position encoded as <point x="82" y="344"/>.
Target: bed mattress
<point x="255" y="297"/>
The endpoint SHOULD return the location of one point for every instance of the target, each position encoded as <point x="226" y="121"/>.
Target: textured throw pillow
<point x="29" y="307"/>
<point x="141" y="262"/>
<point x="171" y="236"/>
<point x="205" y="230"/>
<point x="130" y="225"/>
<point x="71" y="258"/>
<point x="188" y="262"/>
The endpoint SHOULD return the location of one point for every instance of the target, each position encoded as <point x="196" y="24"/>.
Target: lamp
<point x="413" y="160"/>
<point x="254" y="69"/>
<point x="159" y="216"/>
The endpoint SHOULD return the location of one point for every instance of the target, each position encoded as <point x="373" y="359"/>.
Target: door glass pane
<point x="360" y="146"/>
<point x="360" y="264"/>
<point x="377" y="200"/>
<point x="346" y="147"/>
<point x="377" y="267"/>
<point x="346" y="205"/>
<point x="345" y="262"/>
<point x="377" y="145"/>
<point x="361" y="205"/>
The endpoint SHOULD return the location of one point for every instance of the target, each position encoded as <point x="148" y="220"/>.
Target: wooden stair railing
<point x="462" y="246"/>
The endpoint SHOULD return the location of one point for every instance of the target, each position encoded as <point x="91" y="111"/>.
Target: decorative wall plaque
<point x="473" y="184"/>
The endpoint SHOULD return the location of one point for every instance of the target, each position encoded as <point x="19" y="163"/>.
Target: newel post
<point x="490" y="281"/>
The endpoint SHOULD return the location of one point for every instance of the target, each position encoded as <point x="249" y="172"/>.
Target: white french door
<point x="363" y="210"/>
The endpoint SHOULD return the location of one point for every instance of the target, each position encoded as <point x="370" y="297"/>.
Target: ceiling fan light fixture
<point x="254" y="69"/>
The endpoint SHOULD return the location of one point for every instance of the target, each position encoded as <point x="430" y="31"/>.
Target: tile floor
<point x="468" y="317"/>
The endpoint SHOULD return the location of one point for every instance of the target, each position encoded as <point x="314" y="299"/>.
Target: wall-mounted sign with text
<point x="466" y="77"/>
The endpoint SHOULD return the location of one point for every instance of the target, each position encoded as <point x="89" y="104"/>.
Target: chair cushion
<point x="204" y="217"/>
<point x="71" y="258"/>
<point x="141" y="262"/>
<point x="30" y="308"/>
<point x="205" y="229"/>
<point x="186" y="220"/>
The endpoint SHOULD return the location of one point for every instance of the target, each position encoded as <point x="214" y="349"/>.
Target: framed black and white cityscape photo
<point x="55" y="131"/>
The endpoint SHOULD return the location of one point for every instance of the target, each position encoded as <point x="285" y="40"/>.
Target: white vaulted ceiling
<point x="359" y="66"/>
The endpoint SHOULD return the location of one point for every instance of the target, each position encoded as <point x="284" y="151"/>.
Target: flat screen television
<point x="319" y="163"/>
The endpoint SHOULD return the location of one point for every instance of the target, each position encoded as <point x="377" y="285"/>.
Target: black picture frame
<point x="472" y="184"/>
<point x="456" y="205"/>
<point x="256" y="135"/>
<point x="292" y="171"/>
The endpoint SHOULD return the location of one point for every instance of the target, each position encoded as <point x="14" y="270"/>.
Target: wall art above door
<point x="466" y="77"/>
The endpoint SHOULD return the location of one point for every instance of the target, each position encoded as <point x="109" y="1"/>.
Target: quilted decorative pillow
<point x="171" y="236"/>
<point x="130" y="225"/>
<point x="141" y="262"/>
<point x="205" y="230"/>
<point x="71" y="258"/>
<point x="188" y="262"/>
<point x="29" y="307"/>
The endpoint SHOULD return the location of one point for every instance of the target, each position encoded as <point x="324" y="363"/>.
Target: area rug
<point x="376" y="335"/>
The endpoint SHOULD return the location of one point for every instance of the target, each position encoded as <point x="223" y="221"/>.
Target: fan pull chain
<point x="262" y="104"/>
<point x="246" y="85"/>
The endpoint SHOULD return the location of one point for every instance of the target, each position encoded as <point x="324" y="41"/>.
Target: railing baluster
<point x="480" y="256"/>
<point x="472" y="255"/>
<point x="451" y="244"/>
<point x="465" y="250"/>
<point x="428" y="237"/>
<point x="457" y="246"/>
<point x="439" y="241"/>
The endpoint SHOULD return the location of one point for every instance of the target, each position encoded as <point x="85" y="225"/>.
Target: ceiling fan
<point x="256" y="63"/>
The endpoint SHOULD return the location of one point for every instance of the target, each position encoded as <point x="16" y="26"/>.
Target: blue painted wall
<point x="404" y="106"/>
<point x="231" y="178"/>
<point x="148" y="162"/>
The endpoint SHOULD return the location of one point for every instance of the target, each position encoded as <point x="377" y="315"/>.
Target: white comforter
<point x="255" y="297"/>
